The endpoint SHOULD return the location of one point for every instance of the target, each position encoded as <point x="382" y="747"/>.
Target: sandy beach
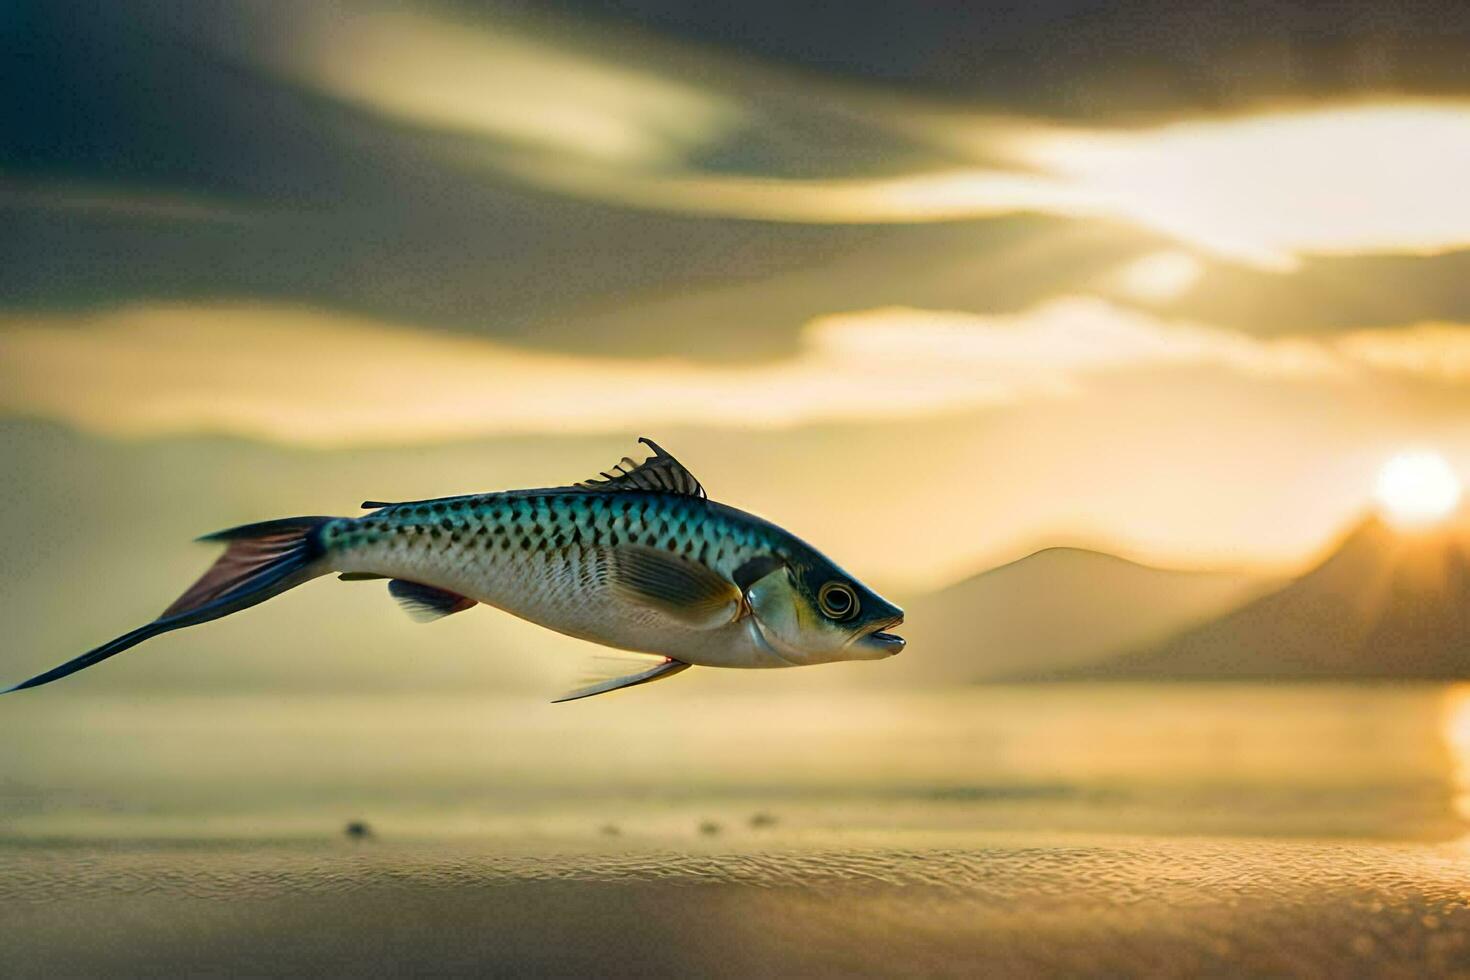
<point x="1011" y="905"/>
<point x="1052" y="831"/>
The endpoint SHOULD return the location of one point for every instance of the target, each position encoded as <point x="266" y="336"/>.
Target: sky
<point x="930" y="286"/>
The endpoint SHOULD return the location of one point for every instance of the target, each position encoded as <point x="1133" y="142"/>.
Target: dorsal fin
<point x="660" y="472"/>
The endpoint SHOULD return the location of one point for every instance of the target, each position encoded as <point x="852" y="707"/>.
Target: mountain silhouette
<point x="1055" y="609"/>
<point x="1384" y="603"/>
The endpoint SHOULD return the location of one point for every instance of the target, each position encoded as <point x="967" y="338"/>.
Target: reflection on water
<point x="1456" y="729"/>
<point x="1299" y="760"/>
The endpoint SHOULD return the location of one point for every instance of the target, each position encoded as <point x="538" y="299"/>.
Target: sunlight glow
<point x="1417" y="489"/>
<point x="1455" y="728"/>
<point x="1160" y="276"/>
<point x="1270" y="188"/>
<point x="1433" y="350"/>
<point x="162" y="369"/>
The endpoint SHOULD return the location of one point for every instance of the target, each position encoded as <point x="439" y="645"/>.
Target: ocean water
<point x="659" y="768"/>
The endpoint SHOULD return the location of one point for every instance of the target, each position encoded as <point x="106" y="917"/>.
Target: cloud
<point x="1265" y="189"/>
<point x="1268" y="188"/>
<point x="1432" y="350"/>
<point x="644" y="123"/>
<point x="501" y="83"/>
<point x="148" y="204"/>
<point x="1160" y="276"/>
<point x="302" y="376"/>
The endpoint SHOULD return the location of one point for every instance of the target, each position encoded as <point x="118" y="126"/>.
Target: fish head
<point x="811" y="612"/>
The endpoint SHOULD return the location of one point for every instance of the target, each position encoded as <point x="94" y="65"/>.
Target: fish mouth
<point x="882" y="642"/>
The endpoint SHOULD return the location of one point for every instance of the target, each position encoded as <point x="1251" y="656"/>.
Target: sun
<point x="1417" y="489"/>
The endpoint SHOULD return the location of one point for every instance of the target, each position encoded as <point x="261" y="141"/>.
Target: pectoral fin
<point x="426" y="603"/>
<point x="668" y="668"/>
<point x="684" y="589"/>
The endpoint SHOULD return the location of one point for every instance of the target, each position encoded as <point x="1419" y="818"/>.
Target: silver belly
<point x="563" y="591"/>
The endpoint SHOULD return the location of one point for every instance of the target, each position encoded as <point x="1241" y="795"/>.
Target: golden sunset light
<point x="1160" y="276"/>
<point x="202" y="369"/>
<point x="1417" y="489"/>
<point x="1456" y="724"/>
<point x="1270" y="188"/>
<point x="677" y="488"/>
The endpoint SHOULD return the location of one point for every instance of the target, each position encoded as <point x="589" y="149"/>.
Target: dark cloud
<point x="252" y="186"/>
<point x="1082" y="58"/>
<point x="349" y="211"/>
<point x="1329" y="293"/>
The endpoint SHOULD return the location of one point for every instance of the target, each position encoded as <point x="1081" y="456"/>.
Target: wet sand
<point x="1012" y="905"/>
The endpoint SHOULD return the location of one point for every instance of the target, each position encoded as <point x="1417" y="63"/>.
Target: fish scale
<point x="543" y="556"/>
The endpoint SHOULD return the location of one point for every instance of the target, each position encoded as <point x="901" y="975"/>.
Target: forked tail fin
<point x="260" y="561"/>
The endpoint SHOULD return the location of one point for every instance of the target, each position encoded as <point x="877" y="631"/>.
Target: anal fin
<point x="657" y="672"/>
<point x="426" y="603"/>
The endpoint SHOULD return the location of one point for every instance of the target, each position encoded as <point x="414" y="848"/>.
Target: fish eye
<point x="838" y="600"/>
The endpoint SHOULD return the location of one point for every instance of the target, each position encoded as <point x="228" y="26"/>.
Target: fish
<point x="637" y="558"/>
